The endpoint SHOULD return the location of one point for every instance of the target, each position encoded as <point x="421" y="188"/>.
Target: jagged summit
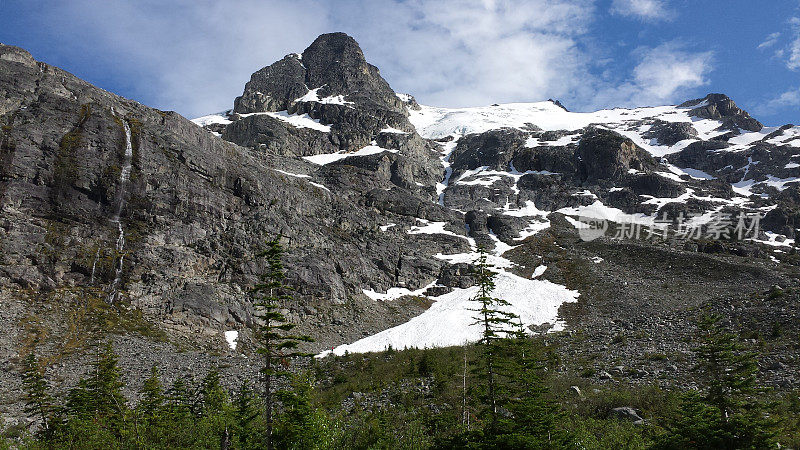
<point x="331" y="70"/>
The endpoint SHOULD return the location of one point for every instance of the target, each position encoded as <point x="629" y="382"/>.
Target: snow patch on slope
<point x="450" y="320"/>
<point x="328" y="158"/>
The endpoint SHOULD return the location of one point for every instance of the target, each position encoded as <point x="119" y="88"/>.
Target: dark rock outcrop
<point x="720" y="107"/>
<point x="670" y="133"/>
<point x="604" y="154"/>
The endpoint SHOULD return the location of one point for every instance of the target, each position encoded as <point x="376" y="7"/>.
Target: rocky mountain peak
<point x="332" y="69"/>
<point x="721" y="107"/>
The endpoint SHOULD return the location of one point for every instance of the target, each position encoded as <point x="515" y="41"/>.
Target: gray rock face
<point x="274" y="87"/>
<point x="273" y="136"/>
<point x="333" y="65"/>
<point x="196" y="207"/>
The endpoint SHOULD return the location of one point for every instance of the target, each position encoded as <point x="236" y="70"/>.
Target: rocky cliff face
<point x="118" y="218"/>
<point x="195" y="208"/>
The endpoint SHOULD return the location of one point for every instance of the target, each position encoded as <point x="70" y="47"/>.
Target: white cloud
<point x="771" y="40"/>
<point x="191" y="56"/>
<point x="664" y="74"/>
<point x="455" y="53"/>
<point x="642" y="9"/>
<point x="788" y="99"/>
<point x="793" y="51"/>
<point x="195" y="56"/>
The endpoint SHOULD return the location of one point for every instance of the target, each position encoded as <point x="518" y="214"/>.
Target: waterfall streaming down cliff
<point x="123" y="182"/>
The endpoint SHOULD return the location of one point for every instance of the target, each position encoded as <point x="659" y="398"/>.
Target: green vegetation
<point x="506" y="391"/>
<point x="406" y="399"/>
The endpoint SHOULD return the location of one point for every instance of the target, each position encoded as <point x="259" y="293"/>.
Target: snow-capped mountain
<point x="504" y="169"/>
<point x="382" y="204"/>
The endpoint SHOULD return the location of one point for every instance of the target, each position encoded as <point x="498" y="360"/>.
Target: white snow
<point x="447" y="150"/>
<point x="395" y="292"/>
<point x="295" y="120"/>
<point x="598" y="210"/>
<point x="219" y="117"/>
<point x="231" y="337"/>
<point x="533" y="228"/>
<point x="529" y="209"/>
<point x="328" y="158"/>
<point x="697" y="174"/>
<point x="319" y="186"/>
<point x="435" y="122"/>
<point x="450" y="320"/>
<point x="302" y="176"/>
<point x="296" y="175"/>
<point x="428" y="227"/>
<point x="387" y="226"/>
<point x="672" y="176"/>
<point x="538" y="271"/>
<point x="404" y="97"/>
<point x="775" y="240"/>
<point x="389" y="129"/>
<point x="312" y="96"/>
<point x="744" y="187"/>
<point x="299" y="121"/>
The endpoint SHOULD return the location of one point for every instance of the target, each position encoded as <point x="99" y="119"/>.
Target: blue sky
<point x="194" y="56"/>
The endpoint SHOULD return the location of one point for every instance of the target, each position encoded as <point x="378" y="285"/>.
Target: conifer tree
<point x="180" y="400"/>
<point x="212" y="395"/>
<point x="105" y="386"/>
<point x="151" y="403"/>
<point x="214" y="407"/>
<point x="496" y="326"/>
<point x="727" y="413"/>
<point x="38" y="403"/>
<point x="245" y="412"/>
<point x="276" y="343"/>
<point x="536" y="418"/>
<point x="99" y="396"/>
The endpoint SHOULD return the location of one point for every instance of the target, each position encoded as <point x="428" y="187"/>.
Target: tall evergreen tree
<point x="212" y="395"/>
<point x="99" y="396"/>
<point x="38" y="402"/>
<point x="105" y="386"/>
<point x="496" y="326"/>
<point x="180" y="400"/>
<point x="727" y="413"/>
<point x="276" y="343"/>
<point x="300" y="425"/>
